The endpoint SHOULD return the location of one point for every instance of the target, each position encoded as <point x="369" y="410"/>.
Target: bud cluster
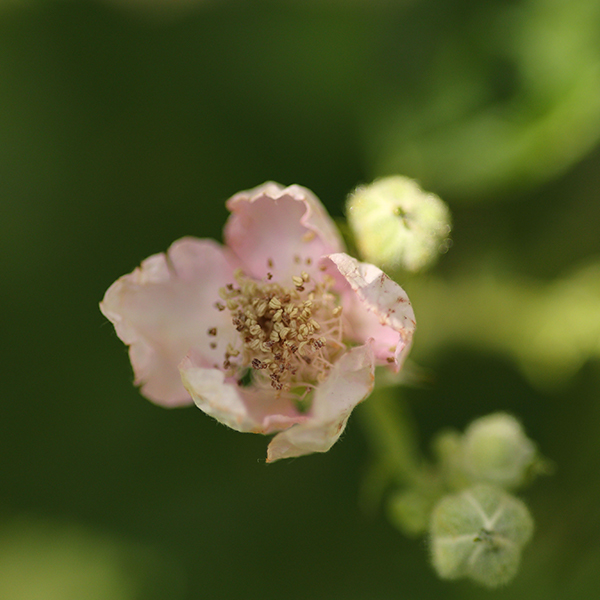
<point x="477" y="529"/>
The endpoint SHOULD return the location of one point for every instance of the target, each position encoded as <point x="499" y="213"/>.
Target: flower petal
<point x="280" y="230"/>
<point x="350" y="381"/>
<point x="378" y="308"/>
<point x="165" y="307"/>
<point x="241" y="409"/>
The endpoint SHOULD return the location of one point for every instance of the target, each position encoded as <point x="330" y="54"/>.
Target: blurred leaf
<point x="549" y="330"/>
<point x="46" y="560"/>
<point x="512" y="99"/>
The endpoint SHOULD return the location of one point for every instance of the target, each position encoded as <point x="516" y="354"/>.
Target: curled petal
<point x="166" y="307"/>
<point x="350" y="381"/>
<point x="378" y="308"/>
<point x="281" y="231"/>
<point x="215" y="397"/>
<point x="239" y="408"/>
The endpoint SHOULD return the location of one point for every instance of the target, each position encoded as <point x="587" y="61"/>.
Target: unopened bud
<point x="448" y="448"/>
<point x="479" y="533"/>
<point x="409" y="511"/>
<point x="397" y="225"/>
<point x="496" y="450"/>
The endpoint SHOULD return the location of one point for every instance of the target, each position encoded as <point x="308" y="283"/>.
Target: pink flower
<point x="276" y="331"/>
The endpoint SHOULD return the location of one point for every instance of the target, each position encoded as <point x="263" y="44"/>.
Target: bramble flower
<point x="276" y="331"/>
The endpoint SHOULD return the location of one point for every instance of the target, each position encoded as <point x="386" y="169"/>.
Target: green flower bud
<point x="397" y="225"/>
<point x="448" y="448"/>
<point x="409" y="511"/>
<point x="496" y="450"/>
<point x="479" y="533"/>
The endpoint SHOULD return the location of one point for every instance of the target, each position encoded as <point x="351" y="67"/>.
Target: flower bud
<point x="496" y="450"/>
<point x="397" y="225"/>
<point x="448" y="448"/>
<point x="479" y="533"/>
<point x="409" y="511"/>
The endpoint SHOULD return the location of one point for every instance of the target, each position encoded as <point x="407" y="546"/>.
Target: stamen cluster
<point x="288" y="335"/>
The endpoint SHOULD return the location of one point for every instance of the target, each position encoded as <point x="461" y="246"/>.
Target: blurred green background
<point x="125" y="124"/>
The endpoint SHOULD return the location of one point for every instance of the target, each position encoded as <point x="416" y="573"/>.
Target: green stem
<point x="391" y="434"/>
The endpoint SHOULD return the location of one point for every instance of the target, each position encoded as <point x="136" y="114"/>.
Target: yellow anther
<point x="231" y="351"/>
<point x="274" y="303"/>
<point x="261" y="308"/>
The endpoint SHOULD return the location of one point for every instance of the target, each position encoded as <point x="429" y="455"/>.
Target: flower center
<point x="289" y="335"/>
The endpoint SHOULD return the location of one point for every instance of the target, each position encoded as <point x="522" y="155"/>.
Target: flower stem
<point x="392" y="436"/>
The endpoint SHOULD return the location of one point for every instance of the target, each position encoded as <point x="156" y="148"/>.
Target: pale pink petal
<point x="281" y="231"/>
<point x="166" y="307"/>
<point x="377" y="308"/>
<point x="351" y="380"/>
<point x="242" y="409"/>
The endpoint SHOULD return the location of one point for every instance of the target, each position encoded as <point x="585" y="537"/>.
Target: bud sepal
<point x="479" y="533"/>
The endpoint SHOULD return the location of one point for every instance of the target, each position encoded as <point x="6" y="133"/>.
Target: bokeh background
<point x="125" y="124"/>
